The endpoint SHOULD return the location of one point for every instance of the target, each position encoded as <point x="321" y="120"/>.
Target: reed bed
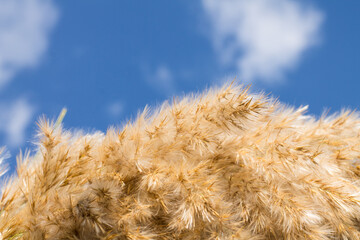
<point x="225" y="164"/>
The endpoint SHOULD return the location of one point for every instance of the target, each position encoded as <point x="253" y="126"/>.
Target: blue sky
<point x="106" y="60"/>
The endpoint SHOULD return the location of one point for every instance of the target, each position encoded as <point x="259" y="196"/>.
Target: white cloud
<point x="14" y="120"/>
<point x="262" y="38"/>
<point x="24" y="30"/>
<point x="115" y="109"/>
<point x="162" y="79"/>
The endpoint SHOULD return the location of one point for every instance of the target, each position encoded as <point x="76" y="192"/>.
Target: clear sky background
<point x="105" y="60"/>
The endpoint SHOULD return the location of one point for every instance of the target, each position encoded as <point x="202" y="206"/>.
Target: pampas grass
<point x="222" y="165"/>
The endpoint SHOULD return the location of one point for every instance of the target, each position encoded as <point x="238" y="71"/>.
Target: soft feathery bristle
<point x="226" y="164"/>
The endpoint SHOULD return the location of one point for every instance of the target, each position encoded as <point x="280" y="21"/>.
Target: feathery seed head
<point x="226" y="164"/>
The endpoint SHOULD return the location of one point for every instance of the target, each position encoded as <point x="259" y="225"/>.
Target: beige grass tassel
<point x="223" y="165"/>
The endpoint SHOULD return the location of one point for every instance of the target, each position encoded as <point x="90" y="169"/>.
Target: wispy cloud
<point x="24" y="30"/>
<point x="115" y="109"/>
<point x="161" y="79"/>
<point x="262" y="38"/>
<point x="14" y="120"/>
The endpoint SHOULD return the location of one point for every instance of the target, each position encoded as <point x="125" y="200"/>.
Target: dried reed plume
<point x="223" y="165"/>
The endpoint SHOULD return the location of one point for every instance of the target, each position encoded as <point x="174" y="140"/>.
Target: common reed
<point x="225" y="164"/>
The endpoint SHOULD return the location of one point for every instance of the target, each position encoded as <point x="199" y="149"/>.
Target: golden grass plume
<point x="226" y="164"/>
